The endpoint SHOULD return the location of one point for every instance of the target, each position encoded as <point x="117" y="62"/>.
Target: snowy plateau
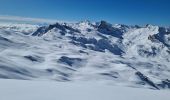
<point x="84" y="61"/>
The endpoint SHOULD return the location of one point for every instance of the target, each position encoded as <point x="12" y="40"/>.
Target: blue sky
<point x="141" y="12"/>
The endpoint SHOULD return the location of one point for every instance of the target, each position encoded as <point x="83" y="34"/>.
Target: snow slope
<point x="40" y="90"/>
<point x="116" y="54"/>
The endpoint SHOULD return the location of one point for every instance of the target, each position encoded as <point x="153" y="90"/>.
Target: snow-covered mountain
<point x="116" y="54"/>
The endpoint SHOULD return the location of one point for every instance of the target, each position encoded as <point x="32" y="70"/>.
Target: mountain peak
<point x="104" y="24"/>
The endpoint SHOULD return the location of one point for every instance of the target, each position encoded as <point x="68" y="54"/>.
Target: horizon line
<point x="11" y="18"/>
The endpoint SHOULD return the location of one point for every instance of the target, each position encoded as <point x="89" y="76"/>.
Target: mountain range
<point x="116" y="54"/>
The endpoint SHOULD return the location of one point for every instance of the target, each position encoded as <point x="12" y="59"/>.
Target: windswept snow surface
<point x="116" y="54"/>
<point x="43" y="90"/>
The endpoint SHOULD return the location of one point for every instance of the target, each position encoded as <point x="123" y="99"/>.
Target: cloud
<point x="26" y="19"/>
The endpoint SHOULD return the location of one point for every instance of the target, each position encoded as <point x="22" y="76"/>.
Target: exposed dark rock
<point x="152" y="38"/>
<point x="107" y="28"/>
<point x="97" y="45"/>
<point x="160" y="37"/>
<point x="147" y="53"/>
<point x="81" y="51"/>
<point x="34" y="58"/>
<point x="168" y="51"/>
<point x="165" y="84"/>
<point x="110" y="74"/>
<point x="137" y="26"/>
<point x="69" y="61"/>
<point x="103" y="44"/>
<point x="146" y="79"/>
<point x="42" y="30"/>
